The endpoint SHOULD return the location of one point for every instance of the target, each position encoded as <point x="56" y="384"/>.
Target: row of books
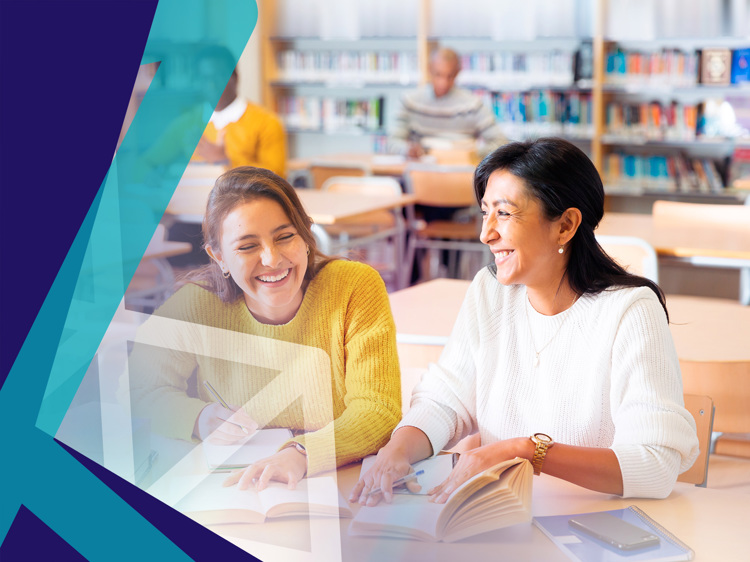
<point x="501" y="69"/>
<point x="330" y="114"/>
<point x="669" y="173"/>
<point x="541" y="113"/>
<point x="348" y="66"/>
<point x="652" y="121"/>
<point x="664" y="67"/>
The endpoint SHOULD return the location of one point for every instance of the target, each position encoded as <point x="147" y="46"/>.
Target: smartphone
<point x="612" y="530"/>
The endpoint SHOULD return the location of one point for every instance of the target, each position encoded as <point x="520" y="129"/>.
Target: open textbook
<point x="204" y="499"/>
<point x="498" y="497"/>
<point x="261" y="444"/>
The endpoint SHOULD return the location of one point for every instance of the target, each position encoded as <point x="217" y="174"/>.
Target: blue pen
<point x="409" y="477"/>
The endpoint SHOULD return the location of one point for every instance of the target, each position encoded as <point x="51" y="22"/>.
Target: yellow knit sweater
<point x="255" y="139"/>
<point x="331" y="372"/>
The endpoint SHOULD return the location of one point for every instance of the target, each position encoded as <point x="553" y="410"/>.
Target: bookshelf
<point x="619" y="81"/>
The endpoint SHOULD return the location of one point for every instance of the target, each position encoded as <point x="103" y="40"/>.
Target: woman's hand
<point x="288" y="465"/>
<point x="390" y="464"/>
<point x="223" y="426"/>
<point x="472" y="463"/>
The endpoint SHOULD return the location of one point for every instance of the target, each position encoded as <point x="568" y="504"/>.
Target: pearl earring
<point x="560" y="250"/>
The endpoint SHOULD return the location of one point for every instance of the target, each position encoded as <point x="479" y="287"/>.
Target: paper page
<point x="262" y="444"/>
<point x="317" y="496"/>
<point x="402" y="517"/>
<point x="206" y="493"/>
<point x="436" y="470"/>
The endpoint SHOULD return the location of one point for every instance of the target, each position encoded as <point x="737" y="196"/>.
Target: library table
<point x="710" y="521"/>
<point x="707" y="245"/>
<point x="189" y="203"/>
<point x="380" y="164"/>
<point x="704" y="329"/>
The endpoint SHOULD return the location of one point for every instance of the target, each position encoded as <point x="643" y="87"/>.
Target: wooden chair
<point x="442" y="186"/>
<point x="728" y="384"/>
<point x="634" y="254"/>
<point x="736" y="217"/>
<point x="321" y="170"/>
<point x="384" y="230"/>
<point x="702" y="410"/>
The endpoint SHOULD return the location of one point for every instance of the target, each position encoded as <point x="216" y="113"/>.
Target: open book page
<point x="436" y="470"/>
<point x="314" y="496"/>
<point x="263" y="443"/>
<point x="495" y="498"/>
<point x="209" y="502"/>
<point x="408" y="516"/>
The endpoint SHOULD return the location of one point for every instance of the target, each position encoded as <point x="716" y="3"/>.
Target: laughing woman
<point x="267" y="281"/>
<point x="558" y="355"/>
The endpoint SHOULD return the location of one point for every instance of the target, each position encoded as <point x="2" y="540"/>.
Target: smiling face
<point x="266" y="257"/>
<point x="524" y="242"/>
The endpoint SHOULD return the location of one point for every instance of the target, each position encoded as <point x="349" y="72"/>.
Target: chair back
<point x="634" y="254"/>
<point x="734" y="216"/>
<point x="728" y="383"/>
<point x="455" y="156"/>
<point x="441" y="186"/>
<point x="321" y="170"/>
<point x="702" y="409"/>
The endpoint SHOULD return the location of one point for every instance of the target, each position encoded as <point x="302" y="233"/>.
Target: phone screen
<point x="612" y="530"/>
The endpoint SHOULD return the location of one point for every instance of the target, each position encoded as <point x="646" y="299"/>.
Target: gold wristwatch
<point x="542" y="442"/>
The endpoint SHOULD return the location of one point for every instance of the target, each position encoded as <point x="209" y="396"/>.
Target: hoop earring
<point x="561" y="249"/>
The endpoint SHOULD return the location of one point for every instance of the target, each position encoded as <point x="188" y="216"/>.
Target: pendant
<point x="536" y="360"/>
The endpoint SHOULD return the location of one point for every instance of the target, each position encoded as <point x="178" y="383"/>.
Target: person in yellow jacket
<point x="315" y="341"/>
<point x="239" y="133"/>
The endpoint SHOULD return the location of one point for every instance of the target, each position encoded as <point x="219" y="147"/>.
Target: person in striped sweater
<point x="440" y="110"/>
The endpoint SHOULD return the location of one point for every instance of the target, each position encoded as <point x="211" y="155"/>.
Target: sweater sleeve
<point x="655" y="437"/>
<point x="372" y="381"/>
<point x="443" y="404"/>
<point x="159" y="368"/>
<point x="258" y="139"/>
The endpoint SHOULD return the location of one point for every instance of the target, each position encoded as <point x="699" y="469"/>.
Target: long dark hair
<point x="560" y="176"/>
<point x="236" y="187"/>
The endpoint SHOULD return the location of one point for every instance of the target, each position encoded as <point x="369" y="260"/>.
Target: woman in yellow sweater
<point x="296" y="338"/>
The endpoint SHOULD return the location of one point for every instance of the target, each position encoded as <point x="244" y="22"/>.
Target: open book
<point x="583" y="547"/>
<point x="498" y="497"/>
<point x="204" y="499"/>
<point x="261" y="444"/>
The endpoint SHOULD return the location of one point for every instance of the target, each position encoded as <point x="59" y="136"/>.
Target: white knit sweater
<point x="608" y="376"/>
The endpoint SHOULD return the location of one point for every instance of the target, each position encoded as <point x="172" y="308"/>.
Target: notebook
<point x="584" y="548"/>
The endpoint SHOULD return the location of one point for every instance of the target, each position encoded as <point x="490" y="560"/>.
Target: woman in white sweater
<point x="558" y="354"/>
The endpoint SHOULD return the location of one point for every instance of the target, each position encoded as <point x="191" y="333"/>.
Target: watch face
<point x="542" y="438"/>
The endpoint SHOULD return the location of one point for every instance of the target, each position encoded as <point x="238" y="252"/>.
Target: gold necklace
<point x="531" y="333"/>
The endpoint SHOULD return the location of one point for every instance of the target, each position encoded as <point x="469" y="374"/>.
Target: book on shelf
<point x="740" y="66"/>
<point x="261" y="444"/>
<point x="581" y="546"/>
<point x="498" y="497"/>
<point x="206" y="500"/>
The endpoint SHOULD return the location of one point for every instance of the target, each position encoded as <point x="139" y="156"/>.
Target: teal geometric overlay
<point x="90" y="285"/>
